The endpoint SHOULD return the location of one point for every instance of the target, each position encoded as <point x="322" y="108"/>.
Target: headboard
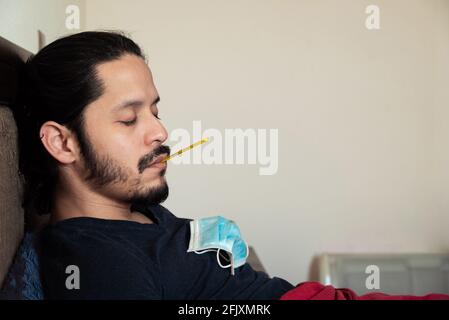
<point x="11" y="212"/>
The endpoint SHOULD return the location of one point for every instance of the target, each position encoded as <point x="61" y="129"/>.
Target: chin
<point x="152" y="173"/>
<point x="158" y="181"/>
<point x="156" y="193"/>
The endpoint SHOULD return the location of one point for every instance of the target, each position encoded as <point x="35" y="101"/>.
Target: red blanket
<point x="317" y="291"/>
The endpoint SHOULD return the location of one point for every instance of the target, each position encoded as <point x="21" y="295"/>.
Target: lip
<point x="157" y="162"/>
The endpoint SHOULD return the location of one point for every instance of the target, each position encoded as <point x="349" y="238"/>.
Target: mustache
<point x="146" y="160"/>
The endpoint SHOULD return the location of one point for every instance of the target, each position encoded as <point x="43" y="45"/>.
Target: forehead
<point x="127" y="78"/>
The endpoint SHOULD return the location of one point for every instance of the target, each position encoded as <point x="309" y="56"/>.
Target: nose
<point x="155" y="132"/>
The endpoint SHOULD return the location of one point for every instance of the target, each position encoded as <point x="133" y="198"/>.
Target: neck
<point x="77" y="200"/>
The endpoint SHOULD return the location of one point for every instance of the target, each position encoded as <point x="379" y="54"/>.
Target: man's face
<point x="123" y="135"/>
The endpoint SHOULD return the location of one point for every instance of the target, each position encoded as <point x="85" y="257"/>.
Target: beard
<point x="103" y="171"/>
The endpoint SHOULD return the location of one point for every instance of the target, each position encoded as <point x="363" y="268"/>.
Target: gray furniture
<point x="415" y="274"/>
<point x="11" y="212"/>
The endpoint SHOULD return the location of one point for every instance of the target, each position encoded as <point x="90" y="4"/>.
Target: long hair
<point x="57" y="84"/>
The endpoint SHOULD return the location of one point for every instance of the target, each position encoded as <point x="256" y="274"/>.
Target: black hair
<point x="57" y="84"/>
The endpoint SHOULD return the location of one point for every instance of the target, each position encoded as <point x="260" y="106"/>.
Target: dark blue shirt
<point x="119" y="259"/>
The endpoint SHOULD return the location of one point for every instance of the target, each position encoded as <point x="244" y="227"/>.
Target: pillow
<point x="23" y="280"/>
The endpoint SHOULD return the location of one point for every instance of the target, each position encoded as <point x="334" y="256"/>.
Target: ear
<point x="59" y="142"/>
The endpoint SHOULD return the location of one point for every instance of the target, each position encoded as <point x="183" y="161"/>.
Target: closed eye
<point x="129" y="123"/>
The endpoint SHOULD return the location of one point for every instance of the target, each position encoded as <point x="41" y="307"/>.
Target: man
<point x="90" y="146"/>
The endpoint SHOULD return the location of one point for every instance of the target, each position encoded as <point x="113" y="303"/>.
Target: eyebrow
<point x="133" y="103"/>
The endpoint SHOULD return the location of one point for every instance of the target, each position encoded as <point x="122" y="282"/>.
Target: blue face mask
<point x="216" y="234"/>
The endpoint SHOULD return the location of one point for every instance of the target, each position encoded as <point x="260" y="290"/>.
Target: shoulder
<point x="86" y="240"/>
<point x="108" y="266"/>
<point x="80" y="235"/>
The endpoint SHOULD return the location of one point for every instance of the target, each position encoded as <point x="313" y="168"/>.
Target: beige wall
<point x="20" y="20"/>
<point x="441" y="65"/>
<point x="362" y="118"/>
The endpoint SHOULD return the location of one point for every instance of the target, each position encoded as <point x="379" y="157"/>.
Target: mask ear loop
<point x="231" y="264"/>
<point x="218" y="258"/>
<point x="204" y="251"/>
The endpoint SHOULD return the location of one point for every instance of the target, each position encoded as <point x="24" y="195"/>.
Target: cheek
<point x="121" y="143"/>
<point x="112" y="141"/>
<point x="118" y="144"/>
<point x="123" y="151"/>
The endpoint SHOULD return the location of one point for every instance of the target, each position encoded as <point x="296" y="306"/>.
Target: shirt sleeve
<point x="191" y="276"/>
<point x="248" y="284"/>
<point x="105" y="268"/>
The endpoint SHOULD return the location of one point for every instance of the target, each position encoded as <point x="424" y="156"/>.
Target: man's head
<point x="90" y="115"/>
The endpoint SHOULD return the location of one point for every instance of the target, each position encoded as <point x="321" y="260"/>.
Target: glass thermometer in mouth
<point x="185" y="149"/>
